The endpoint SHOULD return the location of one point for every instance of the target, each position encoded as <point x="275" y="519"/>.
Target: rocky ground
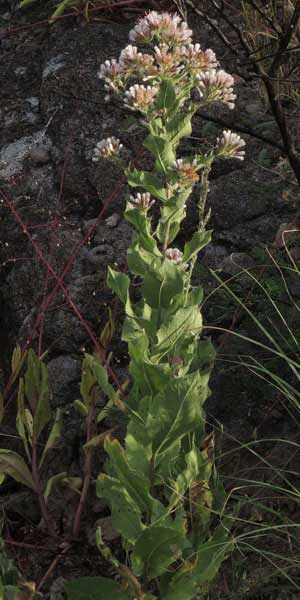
<point x="52" y="113"/>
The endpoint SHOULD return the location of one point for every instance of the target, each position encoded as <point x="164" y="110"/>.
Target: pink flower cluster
<point x="166" y="28"/>
<point x="216" y="85"/>
<point x="230" y="145"/>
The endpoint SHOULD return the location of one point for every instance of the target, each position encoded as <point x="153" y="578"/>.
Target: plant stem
<point x="202" y="218"/>
<point x="87" y="470"/>
<point x="38" y="489"/>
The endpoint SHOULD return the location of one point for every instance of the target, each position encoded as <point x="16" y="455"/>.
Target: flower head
<point x="216" y="85"/>
<point x="108" y="148"/>
<point x="143" y="201"/>
<point x="174" y="255"/>
<point x="132" y="60"/>
<point x="230" y="145"/>
<point x="111" y="71"/>
<point x="166" y="28"/>
<point x="140" y="97"/>
<point x="186" y="172"/>
<point x="168" y="61"/>
<point x="197" y="60"/>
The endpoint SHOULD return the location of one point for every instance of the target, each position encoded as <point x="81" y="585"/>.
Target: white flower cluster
<point x="230" y="145"/>
<point x="140" y="97"/>
<point x="216" y="85"/>
<point x="174" y="255"/>
<point x="166" y="28"/>
<point x="108" y="148"/>
<point x="174" y="56"/>
<point x="197" y="59"/>
<point x="143" y="201"/>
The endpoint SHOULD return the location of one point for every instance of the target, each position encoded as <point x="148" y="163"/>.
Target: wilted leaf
<point x="60" y="481"/>
<point x="54" y="437"/>
<point x="13" y="465"/>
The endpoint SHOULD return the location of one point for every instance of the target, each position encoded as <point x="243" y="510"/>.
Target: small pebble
<point x="39" y="156"/>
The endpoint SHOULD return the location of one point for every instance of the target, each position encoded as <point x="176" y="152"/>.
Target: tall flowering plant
<point x="165" y="498"/>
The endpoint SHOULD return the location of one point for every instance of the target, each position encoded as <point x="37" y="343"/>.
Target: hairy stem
<point x="87" y="470"/>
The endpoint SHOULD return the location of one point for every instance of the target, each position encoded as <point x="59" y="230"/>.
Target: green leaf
<point x="186" y="477"/>
<point x="94" y="588"/>
<point x="175" y="411"/>
<point x="150" y="183"/>
<point x="13" y="465"/>
<point x="179" y="126"/>
<point x="54" y="436"/>
<point x="119" y="284"/>
<point x="142" y="224"/>
<point x="23" y="421"/>
<point x="136" y="485"/>
<point x="126" y="514"/>
<point x="82" y="408"/>
<point x="199" y="240"/>
<point x="17" y="361"/>
<point x="36" y="391"/>
<point x="186" y="321"/>
<point x="196" y="573"/>
<point x="88" y="387"/>
<point x="166" y="99"/>
<point x="101" y="376"/>
<point x="97" y="440"/>
<point x="155" y="550"/>
<point x="60" y="481"/>
<point x="163" y="282"/>
<point x="162" y="150"/>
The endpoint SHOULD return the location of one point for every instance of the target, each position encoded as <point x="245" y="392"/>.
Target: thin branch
<point x="241" y="129"/>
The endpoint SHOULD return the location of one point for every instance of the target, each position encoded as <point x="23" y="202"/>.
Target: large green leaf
<point x="186" y="477"/>
<point x="147" y="181"/>
<point x="119" y="283"/>
<point x="94" y="588"/>
<point x="126" y="514"/>
<point x="179" y="126"/>
<point x="141" y="222"/>
<point x="166" y="98"/>
<point x="155" y="550"/>
<point x="162" y="284"/>
<point x="199" y="240"/>
<point x="186" y="321"/>
<point x="202" y="569"/>
<point x="162" y="150"/>
<point x="13" y="465"/>
<point x="136" y="485"/>
<point x="176" y="411"/>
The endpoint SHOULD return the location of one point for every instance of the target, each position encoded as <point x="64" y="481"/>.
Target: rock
<point x="64" y="375"/>
<point x="236" y="262"/>
<point x="12" y="155"/>
<point x="21" y="71"/>
<point x="34" y="102"/>
<point x="213" y="256"/>
<point x="113" y="220"/>
<point x="55" y="64"/>
<point x="39" y="156"/>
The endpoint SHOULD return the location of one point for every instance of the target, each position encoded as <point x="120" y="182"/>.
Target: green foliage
<point x="94" y="588"/>
<point x="162" y="487"/>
